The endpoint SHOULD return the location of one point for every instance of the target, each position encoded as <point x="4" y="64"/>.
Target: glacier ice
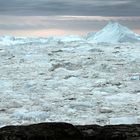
<point x="70" y="79"/>
<point x="114" y="32"/>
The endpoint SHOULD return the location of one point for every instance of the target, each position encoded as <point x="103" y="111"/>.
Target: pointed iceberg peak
<point x="114" y="24"/>
<point x="114" y="32"/>
<point x="116" y="27"/>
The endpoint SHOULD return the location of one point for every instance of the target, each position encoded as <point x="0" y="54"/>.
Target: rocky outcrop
<point x="110" y="132"/>
<point x="42" y="131"/>
<point x="65" y="131"/>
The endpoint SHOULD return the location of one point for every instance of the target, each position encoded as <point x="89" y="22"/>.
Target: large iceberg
<point x="114" y="32"/>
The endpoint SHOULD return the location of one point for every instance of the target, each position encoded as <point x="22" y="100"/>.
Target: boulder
<point x="42" y="131"/>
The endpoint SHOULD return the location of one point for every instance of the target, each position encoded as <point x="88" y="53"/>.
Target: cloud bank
<point x="70" y="7"/>
<point x="50" y="17"/>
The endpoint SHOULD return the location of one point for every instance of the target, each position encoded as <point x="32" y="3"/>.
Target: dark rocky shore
<point x="64" y="131"/>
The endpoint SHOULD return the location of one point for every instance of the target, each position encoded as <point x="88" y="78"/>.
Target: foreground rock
<point x="64" y="131"/>
<point x="43" y="131"/>
<point x="110" y="132"/>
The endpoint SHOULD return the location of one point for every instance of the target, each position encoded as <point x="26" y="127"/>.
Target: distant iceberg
<point x="114" y="32"/>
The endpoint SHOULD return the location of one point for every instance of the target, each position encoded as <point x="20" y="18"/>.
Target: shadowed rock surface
<point x="43" y="131"/>
<point x="65" y="131"/>
<point x="110" y="132"/>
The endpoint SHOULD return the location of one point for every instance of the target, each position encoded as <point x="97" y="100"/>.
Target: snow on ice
<point x="71" y="79"/>
<point x="114" y="33"/>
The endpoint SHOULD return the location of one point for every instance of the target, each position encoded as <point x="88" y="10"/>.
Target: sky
<point x="63" y="17"/>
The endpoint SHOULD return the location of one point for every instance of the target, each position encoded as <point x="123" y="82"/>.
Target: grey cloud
<point x="37" y="23"/>
<point x="17" y="26"/>
<point x="70" y="7"/>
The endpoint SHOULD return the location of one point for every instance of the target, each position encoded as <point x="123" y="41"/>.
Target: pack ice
<point x="71" y="78"/>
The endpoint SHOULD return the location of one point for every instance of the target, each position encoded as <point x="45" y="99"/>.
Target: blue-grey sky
<point x="50" y="17"/>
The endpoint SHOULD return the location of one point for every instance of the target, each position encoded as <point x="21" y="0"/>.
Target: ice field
<point x="70" y="79"/>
